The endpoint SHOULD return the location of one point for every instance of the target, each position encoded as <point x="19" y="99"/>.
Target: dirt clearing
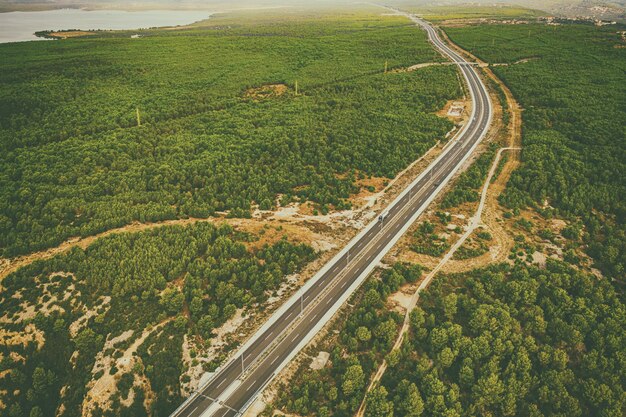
<point x="266" y="91"/>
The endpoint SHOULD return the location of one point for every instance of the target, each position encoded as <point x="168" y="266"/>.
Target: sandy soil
<point x="320" y="361"/>
<point x="366" y="198"/>
<point x="326" y="233"/>
<point x="401" y="300"/>
<point x="100" y="390"/>
<point x="456" y="110"/>
<point x="29" y="311"/>
<point x="297" y="225"/>
<point x="266" y="91"/>
<point x="474" y="223"/>
<point x="492" y="218"/>
<point x="295" y="233"/>
<point x="419" y="66"/>
<point x="194" y="366"/>
<point x="80" y="322"/>
<point x="30" y="334"/>
<point x="480" y="21"/>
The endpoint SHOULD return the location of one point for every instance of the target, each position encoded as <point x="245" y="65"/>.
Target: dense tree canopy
<point x="467" y="187"/>
<point x="513" y="341"/>
<point x="366" y="337"/>
<point x="185" y="279"/>
<point x="73" y="161"/>
<point x="574" y="143"/>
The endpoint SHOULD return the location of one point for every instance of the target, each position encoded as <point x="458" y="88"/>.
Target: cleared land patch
<point x="266" y="91"/>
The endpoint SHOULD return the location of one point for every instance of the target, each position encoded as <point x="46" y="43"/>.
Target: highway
<point x="236" y="384"/>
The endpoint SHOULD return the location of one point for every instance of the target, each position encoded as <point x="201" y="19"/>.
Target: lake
<point x="21" y="26"/>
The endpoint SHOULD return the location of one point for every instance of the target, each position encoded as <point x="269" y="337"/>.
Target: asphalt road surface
<point x="232" y="389"/>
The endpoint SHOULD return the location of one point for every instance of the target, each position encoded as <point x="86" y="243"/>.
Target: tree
<point x="372" y="298"/>
<point x="449" y="305"/>
<point x="386" y="332"/>
<point x="42" y="380"/>
<point x="487" y="393"/>
<point x="36" y="412"/>
<point x="353" y="380"/>
<point x="438" y="338"/>
<point x="196" y="306"/>
<point x="205" y="326"/>
<point x="87" y="341"/>
<point x="363" y="334"/>
<point x="377" y="403"/>
<point x="466" y="374"/>
<point x="266" y="204"/>
<point x="172" y="300"/>
<point x="15" y="410"/>
<point x="408" y="401"/>
<point x="446" y="357"/>
<point x="393" y="358"/>
<point x="229" y="311"/>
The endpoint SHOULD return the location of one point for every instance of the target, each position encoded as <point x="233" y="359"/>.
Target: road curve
<point x="237" y="383"/>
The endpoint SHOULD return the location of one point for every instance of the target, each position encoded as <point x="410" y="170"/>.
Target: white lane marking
<point x="344" y="284"/>
<point x="294" y="338"/>
<point x="289" y="315"/>
<point x="218" y="385"/>
<point x="195" y="408"/>
<point x="275" y="358"/>
<point x="329" y="300"/>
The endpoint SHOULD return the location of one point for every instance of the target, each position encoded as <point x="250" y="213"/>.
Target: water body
<point x="21" y="26"/>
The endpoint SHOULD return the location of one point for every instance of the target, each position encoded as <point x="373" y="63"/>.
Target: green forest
<point x="467" y="186"/>
<point x="501" y="341"/>
<point x="75" y="162"/>
<point x="574" y="139"/>
<point x="183" y="280"/>
<point x="366" y="336"/>
<point x="236" y="114"/>
<point x="511" y="341"/>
